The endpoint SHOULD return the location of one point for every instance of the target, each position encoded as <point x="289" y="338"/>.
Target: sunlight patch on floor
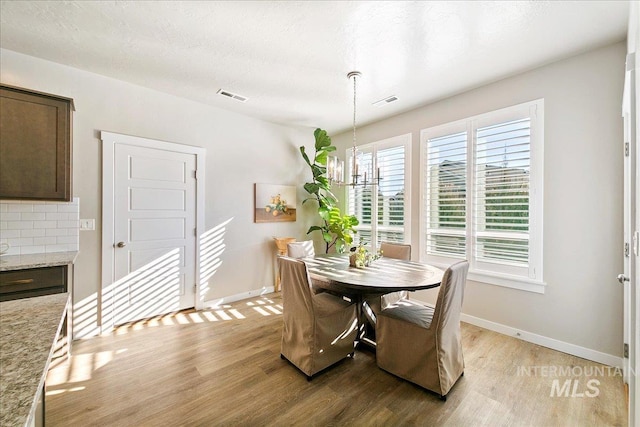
<point x="225" y="312"/>
<point x="262" y="311"/>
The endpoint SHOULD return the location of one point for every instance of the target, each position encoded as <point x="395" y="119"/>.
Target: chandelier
<point x="335" y="166"/>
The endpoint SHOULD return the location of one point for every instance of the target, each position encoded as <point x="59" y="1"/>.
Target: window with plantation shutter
<point x="446" y="179"/>
<point x="383" y="209"/>
<point x="482" y="195"/>
<point x="501" y="211"/>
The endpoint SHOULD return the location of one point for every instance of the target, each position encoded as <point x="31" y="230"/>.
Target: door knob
<point x="622" y="278"/>
<point x="123" y="244"/>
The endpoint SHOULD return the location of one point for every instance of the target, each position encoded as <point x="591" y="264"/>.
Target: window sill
<point x="513" y="282"/>
<point x="504" y="280"/>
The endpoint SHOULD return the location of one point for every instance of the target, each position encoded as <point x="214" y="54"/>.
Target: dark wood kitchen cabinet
<point x="35" y="145"/>
<point x="33" y="282"/>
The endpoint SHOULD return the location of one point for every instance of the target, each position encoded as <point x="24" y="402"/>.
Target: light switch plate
<point x="87" y="224"/>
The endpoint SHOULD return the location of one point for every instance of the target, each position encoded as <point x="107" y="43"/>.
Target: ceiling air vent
<point x="387" y="100"/>
<point x="232" y="95"/>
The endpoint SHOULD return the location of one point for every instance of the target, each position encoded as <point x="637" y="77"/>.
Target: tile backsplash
<point x="39" y="227"/>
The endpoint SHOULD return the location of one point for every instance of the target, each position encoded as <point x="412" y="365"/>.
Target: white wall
<point x="240" y="152"/>
<point x="582" y="304"/>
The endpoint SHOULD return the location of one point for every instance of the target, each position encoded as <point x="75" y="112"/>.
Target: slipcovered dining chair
<point x="301" y="249"/>
<point x="422" y="344"/>
<point x="319" y="329"/>
<point x="378" y="302"/>
<point x="396" y="251"/>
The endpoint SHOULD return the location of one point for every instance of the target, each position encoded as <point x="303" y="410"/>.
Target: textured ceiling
<point x="291" y="58"/>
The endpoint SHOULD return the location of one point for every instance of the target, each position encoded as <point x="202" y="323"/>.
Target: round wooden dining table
<point x="385" y="275"/>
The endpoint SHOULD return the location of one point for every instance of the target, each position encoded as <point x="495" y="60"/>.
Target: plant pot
<point x="352" y="260"/>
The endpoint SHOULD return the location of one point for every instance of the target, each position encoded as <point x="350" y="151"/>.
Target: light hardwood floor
<point x="223" y="367"/>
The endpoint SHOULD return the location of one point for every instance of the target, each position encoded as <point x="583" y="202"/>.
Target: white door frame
<point x="631" y="108"/>
<point x="109" y="142"/>
<point x="630" y="275"/>
<point x="632" y="293"/>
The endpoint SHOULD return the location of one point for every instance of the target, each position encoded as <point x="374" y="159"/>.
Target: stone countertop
<point x="28" y="329"/>
<point x="22" y="262"/>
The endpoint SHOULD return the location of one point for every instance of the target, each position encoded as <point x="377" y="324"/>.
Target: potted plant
<point x="337" y="229"/>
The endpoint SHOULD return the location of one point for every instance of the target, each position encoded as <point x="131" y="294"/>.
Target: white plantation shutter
<point x="482" y="195"/>
<point x="391" y="194"/>
<point x="383" y="210"/>
<point x="501" y="211"/>
<point x="446" y="186"/>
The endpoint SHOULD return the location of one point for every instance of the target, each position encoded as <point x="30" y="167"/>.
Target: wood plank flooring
<point x="222" y="367"/>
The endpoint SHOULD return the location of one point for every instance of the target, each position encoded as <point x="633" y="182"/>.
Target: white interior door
<point x="630" y="277"/>
<point x="154" y="232"/>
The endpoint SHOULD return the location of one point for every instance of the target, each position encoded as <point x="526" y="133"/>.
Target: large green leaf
<point x="311" y="187"/>
<point x="318" y="170"/>
<point x="324" y="213"/>
<point x="335" y="214"/>
<point x="321" y="157"/>
<point x="322" y="139"/>
<point x="314" y="228"/>
<point x="352" y="220"/>
<point x="324" y="183"/>
<point x="329" y="195"/>
<point x="304" y="155"/>
<point x="327" y="237"/>
<point x="328" y="199"/>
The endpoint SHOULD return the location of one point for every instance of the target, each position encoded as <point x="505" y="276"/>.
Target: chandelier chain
<point x="355" y="76"/>
<point x="355" y="173"/>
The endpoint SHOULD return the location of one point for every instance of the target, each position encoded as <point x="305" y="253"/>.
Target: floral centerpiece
<point x="361" y="257"/>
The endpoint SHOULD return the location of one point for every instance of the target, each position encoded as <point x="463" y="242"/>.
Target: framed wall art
<point x="274" y="203"/>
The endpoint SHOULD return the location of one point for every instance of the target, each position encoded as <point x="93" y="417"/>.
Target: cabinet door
<point x="32" y="282"/>
<point x="35" y="145"/>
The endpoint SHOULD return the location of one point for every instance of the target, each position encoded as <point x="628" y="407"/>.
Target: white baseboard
<point x="554" y="344"/>
<point x="237" y="297"/>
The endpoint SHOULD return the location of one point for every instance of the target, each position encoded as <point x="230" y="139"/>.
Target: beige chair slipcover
<point x="301" y="249"/>
<point x="319" y="329"/>
<point x="305" y="249"/>
<point x="395" y="251"/>
<point x="421" y="344"/>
